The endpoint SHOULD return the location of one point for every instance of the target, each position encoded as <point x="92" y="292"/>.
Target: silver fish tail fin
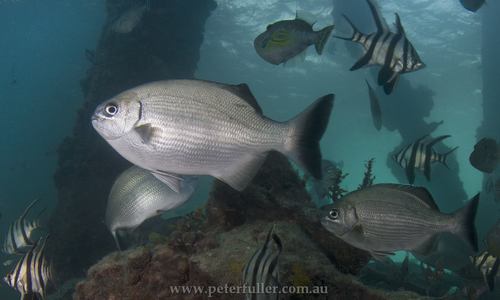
<point x="444" y="156"/>
<point x="323" y="36"/>
<point x="305" y="132"/>
<point x="465" y="219"/>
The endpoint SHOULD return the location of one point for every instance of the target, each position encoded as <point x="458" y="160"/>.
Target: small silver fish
<point x="32" y="273"/>
<point x="262" y="270"/>
<point x="286" y="39"/>
<point x="18" y="238"/>
<point x="472" y="5"/>
<point x="192" y="127"/>
<point x="137" y="196"/>
<point x="385" y="218"/>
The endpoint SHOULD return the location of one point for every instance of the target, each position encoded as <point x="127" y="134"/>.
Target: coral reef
<point x="87" y="165"/>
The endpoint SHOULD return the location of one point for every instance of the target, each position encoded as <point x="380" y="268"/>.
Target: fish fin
<point x="490" y="277"/>
<point x="389" y="85"/>
<point x="427" y="247"/>
<point x="323" y="36"/>
<point x="381" y="256"/>
<point x="297" y="60"/>
<point x="421" y="193"/>
<point x="438" y="139"/>
<point x="116" y="238"/>
<point x="377" y="17"/>
<point x="364" y="61"/>
<point x="28" y="208"/>
<point x="465" y="222"/>
<point x="241" y="172"/>
<point x="305" y="16"/>
<point x="243" y="91"/>
<point x="358" y="229"/>
<point x="445" y="156"/>
<point x="171" y="180"/>
<point x="147" y="132"/>
<point x="374" y="107"/>
<point x="384" y="75"/>
<point x="399" y="26"/>
<point x="356" y="34"/>
<point x="410" y="173"/>
<point x="305" y="132"/>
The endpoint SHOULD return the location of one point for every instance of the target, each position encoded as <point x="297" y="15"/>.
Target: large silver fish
<point x="32" y="273"/>
<point x="385" y="218"/>
<point x="286" y="39"/>
<point x="137" y="196"/>
<point x="192" y="127"/>
<point x="19" y="236"/>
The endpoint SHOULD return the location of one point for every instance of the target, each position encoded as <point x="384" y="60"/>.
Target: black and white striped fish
<point x="32" y="273"/>
<point x="262" y="269"/>
<point x="18" y="238"/>
<point x="393" y="51"/>
<point x="488" y="265"/>
<point x="420" y="155"/>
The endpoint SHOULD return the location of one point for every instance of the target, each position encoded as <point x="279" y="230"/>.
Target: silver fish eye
<point x="334" y="214"/>
<point x="110" y="109"/>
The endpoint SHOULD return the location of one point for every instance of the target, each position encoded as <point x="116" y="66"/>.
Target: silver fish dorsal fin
<point x="421" y="193"/>
<point x="243" y="91"/>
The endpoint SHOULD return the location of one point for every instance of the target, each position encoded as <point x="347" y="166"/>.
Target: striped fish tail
<point x="323" y="36"/>
<point x="356" y="34"/>
<point x="444" y="156"/>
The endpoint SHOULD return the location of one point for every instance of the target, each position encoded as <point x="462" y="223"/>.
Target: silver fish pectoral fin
<point x="239" y="174"/>
<point x="147" y="132"/>
<point x="171" y="180"/>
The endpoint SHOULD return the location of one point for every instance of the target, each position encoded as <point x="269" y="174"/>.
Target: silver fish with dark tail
<point x="19" y="236"/>
<point x="262" y="270"/>
<point x="385" y="218"/>
<point x="137" y="196"/>
<point x="191" y="127"/>
<point x="286" y="39"/>
<point x="32" y="273"/>
<point x="390" y="50"/>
